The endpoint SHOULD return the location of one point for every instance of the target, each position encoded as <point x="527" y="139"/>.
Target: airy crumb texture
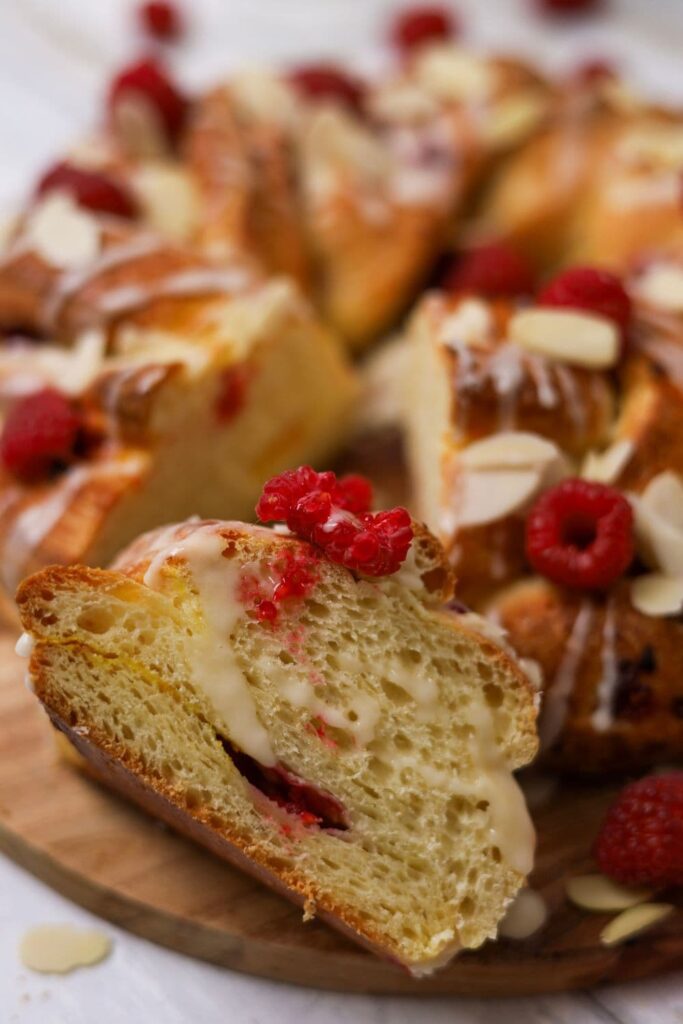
<point x="405" y="721"/>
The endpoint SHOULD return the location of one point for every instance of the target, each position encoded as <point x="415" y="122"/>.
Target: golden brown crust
<point x="642" y="659"/>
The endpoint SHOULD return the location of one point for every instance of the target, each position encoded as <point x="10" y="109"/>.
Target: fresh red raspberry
<point x="568" y="6"/>
<point x="161" y="20"/>
<point x="333" y="515"/>
<point x="494" y="269"/>
<point x="417" y="26"/>
<point x="149" y="79"/>
<point x="327" y="82"/>
<point x="641" y="839"/>
<point x="580" y="534"/>
<point x="90" y="189"/>
<point x="39" y="434"/>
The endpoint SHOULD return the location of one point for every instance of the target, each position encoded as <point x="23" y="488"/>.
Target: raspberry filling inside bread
<point x="355" y="750"/>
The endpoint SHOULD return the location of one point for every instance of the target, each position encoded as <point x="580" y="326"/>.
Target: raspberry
<point x="494" y="269"/>
<point x="417" y="26"/>
<point x="593" y="71"/>
<point x="327" y="82"/>
<point x="39" y="434"/>
<point x="151" y="80"/>
<point x="90" y="189"/>
<point x="641" y="838"/>
<point x="333" y="515"/>
<point x="567" y="6"/>
<point x="596" y="291"/>
<point x="161" y="20"/>
<point x="580" y="534"/>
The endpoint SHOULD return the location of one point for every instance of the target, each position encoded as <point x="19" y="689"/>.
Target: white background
<point x="54" y="57"/>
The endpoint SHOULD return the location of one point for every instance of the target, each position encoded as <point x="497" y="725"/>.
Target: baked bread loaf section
<point x="354" y="750"/>
<point x="193" y="384"/>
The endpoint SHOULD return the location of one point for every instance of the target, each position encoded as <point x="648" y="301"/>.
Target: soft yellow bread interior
<point x="412" y="721"/>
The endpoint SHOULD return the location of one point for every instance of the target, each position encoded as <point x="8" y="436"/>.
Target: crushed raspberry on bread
<point x="419" y="26"/>
<point x="292" y="574"/>
<point x="90" y="189"/>
<point x="328" y="82"/>
<point x="590" y="289"/>
<point x="39" y="435"/>
<point x="148" y="79"/>
<point x="641" y="839"/>
<point x="494" y="269"/>
<point x="580" y="534"/>
<point x="161" y="20"/>
<point x="333" y="514"/>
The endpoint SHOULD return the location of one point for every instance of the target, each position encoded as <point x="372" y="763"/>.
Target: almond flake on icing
<point x="579" y="339"/>
<point x="512" y="449"/>
<point x="468" y="325"/>
<point x="600" y="894"/>
<point x="660" y="145"/>
<point x="265" y="98"/>
<point x="58" y="949"/>
<point x="657" y="595"/>
<point x="403" y="102"/>
<point x="633" y="921"/>
<point x="61" y="233"/>
<point x="661" y="284"/>
<point x="335" y="148"/>
<point x="605" y="467"/>
<point x="450" y="73"/>
<point x="487" y="496"/>
<point x="25" y="368"/>
<point x="513" y="118"/>
<point x="659" y="523"/>
<point x="169" y="198"/>
<point x="525" y="916"/>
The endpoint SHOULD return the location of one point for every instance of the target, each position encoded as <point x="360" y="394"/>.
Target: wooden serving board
<point x="109" y="857"/>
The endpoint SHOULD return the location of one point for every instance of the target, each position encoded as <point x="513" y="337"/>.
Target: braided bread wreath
<point x="178" y="301"/>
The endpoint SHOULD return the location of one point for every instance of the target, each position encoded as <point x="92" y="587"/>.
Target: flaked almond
<point x="450" y="73"/>
<point x="61" y="233"/>
<point x="605" y="467"/>
<point x="579" y="339"/>
<point x="470" y="324"/>
<point x="513" y="118"/>
<point x="662" y="285"/>
<point x="337" y="146"/>
<point x="265" y="98"/>
<point x="525" y="916"/>
<point x="657" y="595"/>
<point x="659" y="145"/>
<point x="659" y="523"/>
<point x="168" y="197"/>
<point x="633" y="921"/>
<point x="403" y="102"/>
<point x="489" y="495"/>
<point x="600" y="894"/>
<point x="511" y="449"/>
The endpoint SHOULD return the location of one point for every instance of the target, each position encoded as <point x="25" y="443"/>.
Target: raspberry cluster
<point x="328" y="82"/>
<point x="494" y="269"/>
<point x="149" y="80"/>
<point x="334" y="515"/>
<point x="420" y="25"/>
<point x="39" y="435"/>
<point x="590" y="289"/>
<point x="641" y="839"/>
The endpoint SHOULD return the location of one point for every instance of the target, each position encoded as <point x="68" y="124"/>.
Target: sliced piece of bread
<point x="354" y="750"/>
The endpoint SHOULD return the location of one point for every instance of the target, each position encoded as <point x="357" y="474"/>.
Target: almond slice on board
<point x="599" y="893"/>
<point x="633" y="921"/>
<point x="579" y="339"/>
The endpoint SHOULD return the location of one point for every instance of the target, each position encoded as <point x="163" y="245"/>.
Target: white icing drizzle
<point x="507" y="373"/>
<point x="556" y="702"/>
<point x="603" y="716"/>
<point x="115" y="256"/>
<point x="214" y="668"/>
<point x="573" y="399"/>
<point x="39" y="518"/>
<point x="545" y="391"/>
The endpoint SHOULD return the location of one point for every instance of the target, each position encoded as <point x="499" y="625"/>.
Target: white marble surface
<point x="53" y="56"/>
